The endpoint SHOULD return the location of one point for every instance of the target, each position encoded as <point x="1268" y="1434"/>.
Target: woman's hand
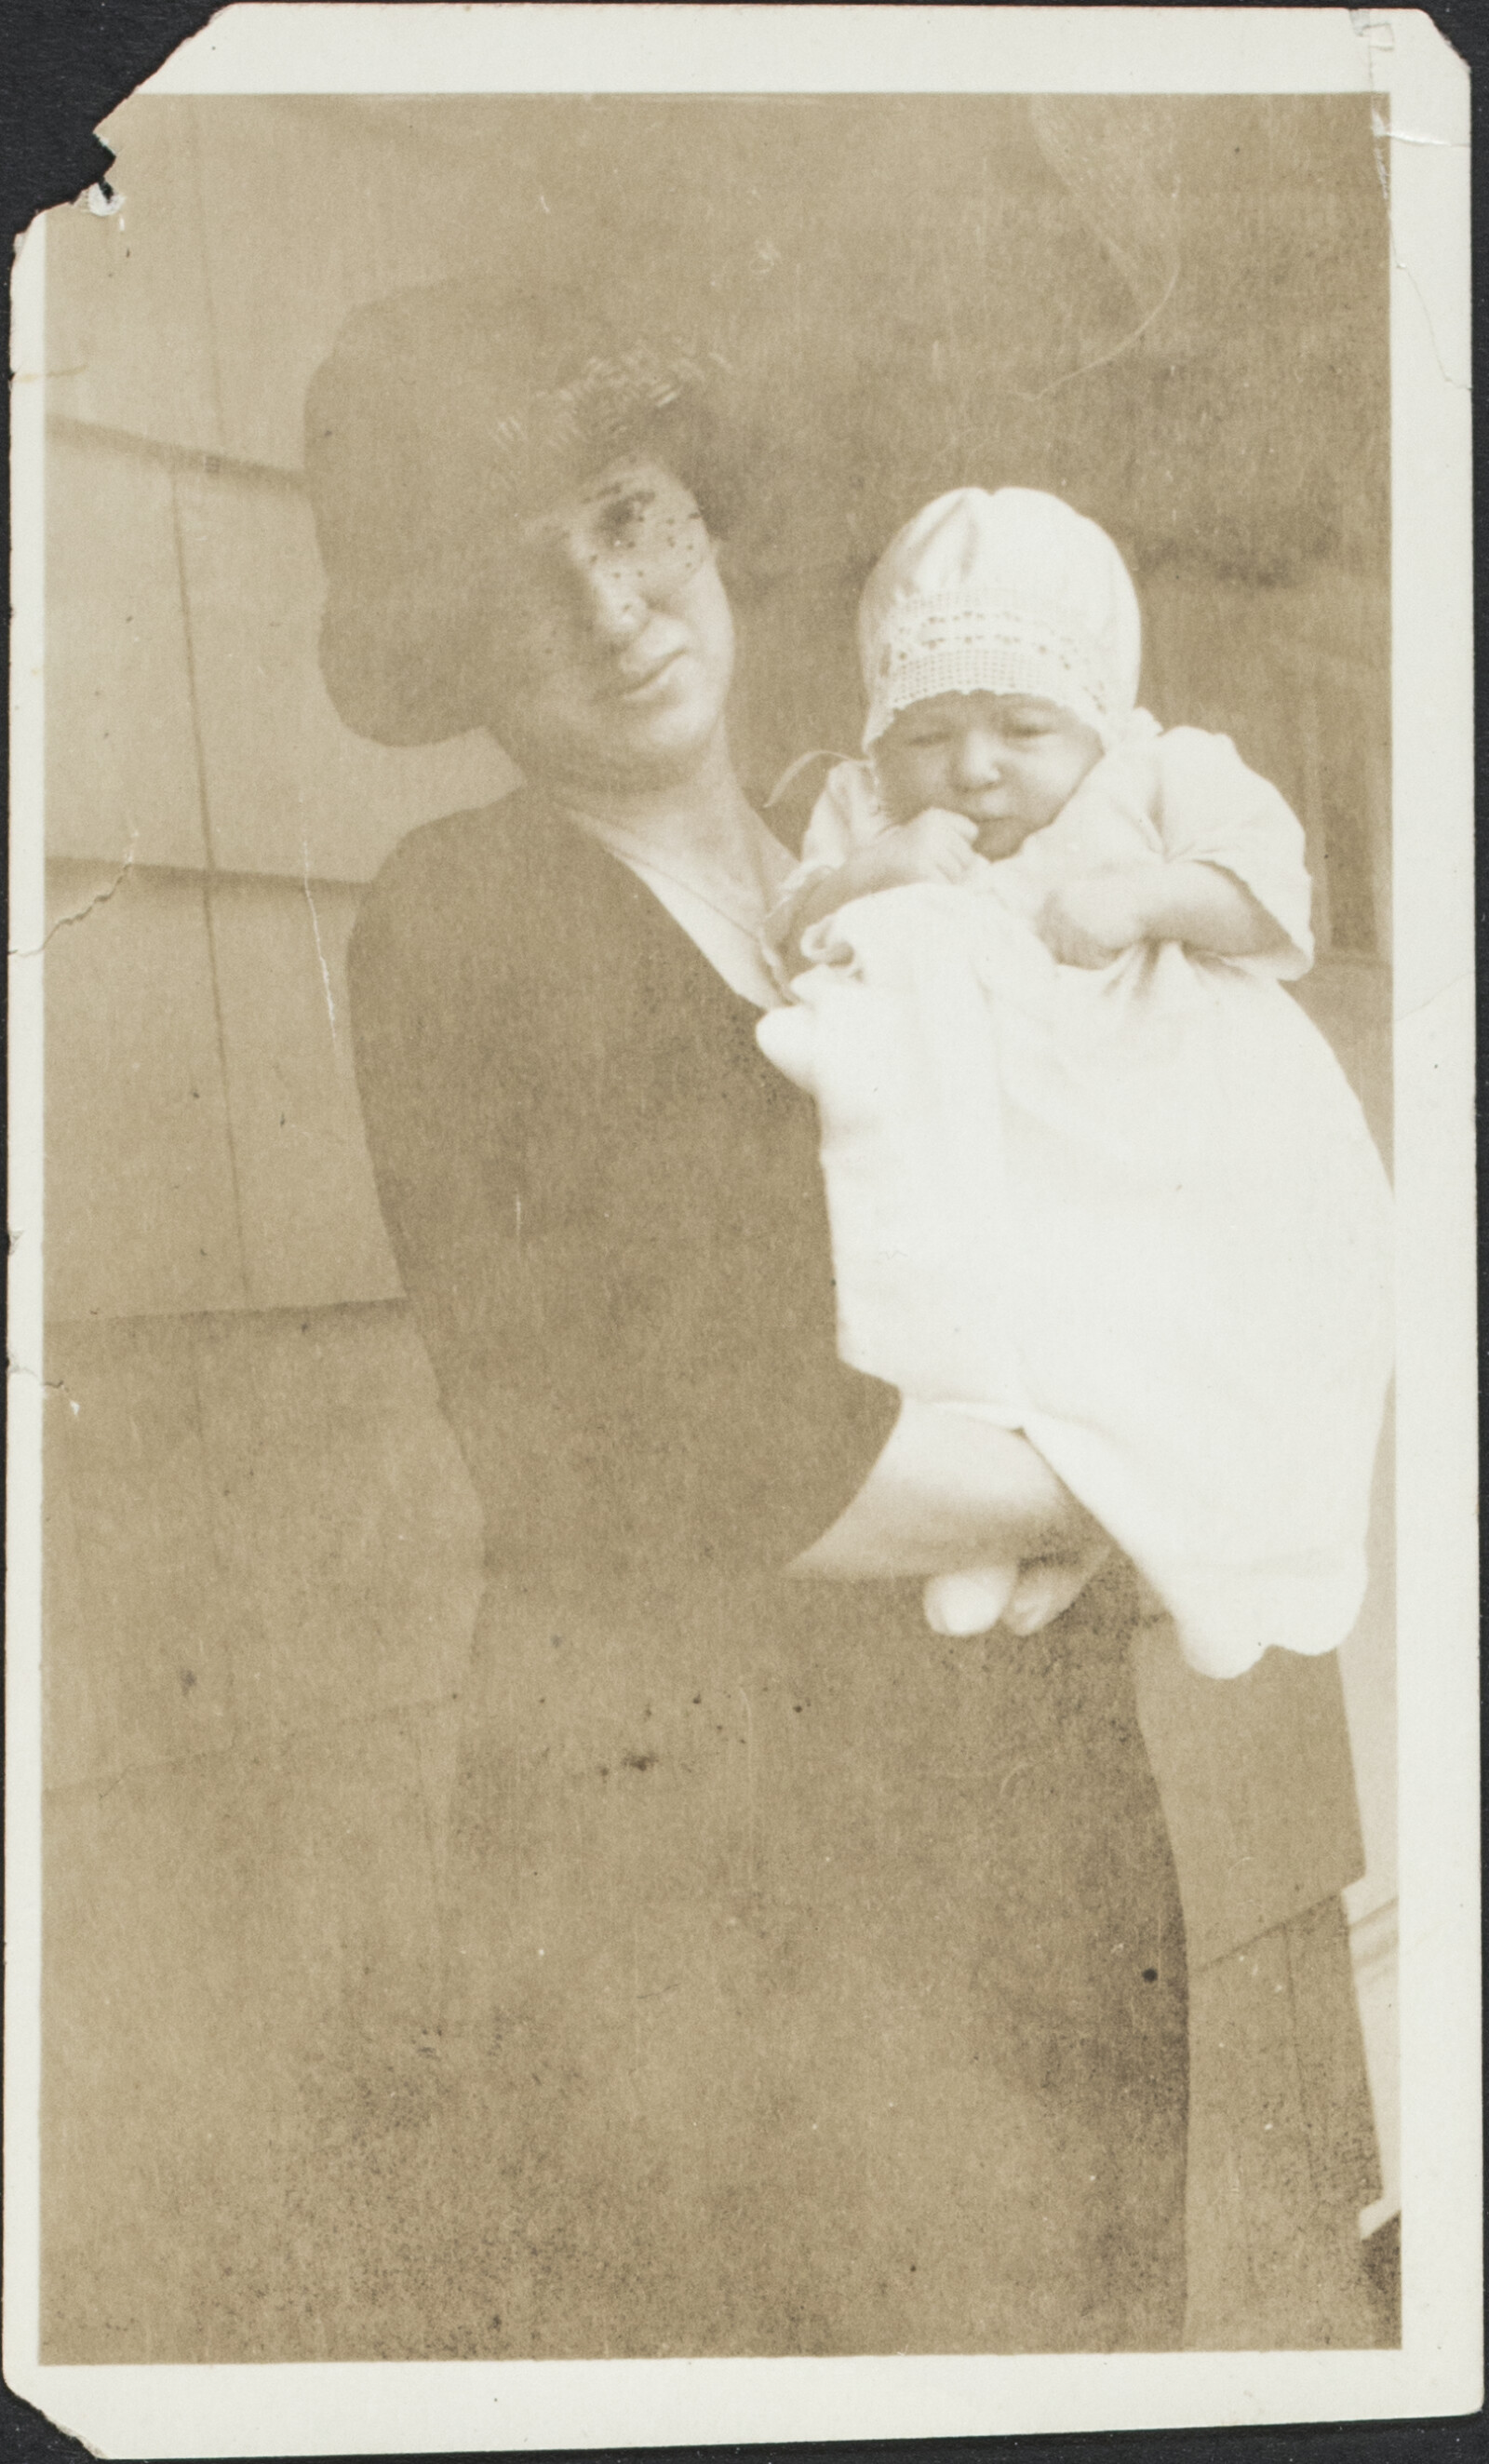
<point x="951" y="1491"/>
<point x="1046" y="1586"/>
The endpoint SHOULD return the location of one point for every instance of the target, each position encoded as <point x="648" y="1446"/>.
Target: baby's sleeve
<point x="1211" y="809"/>
<point x="846" y="816"/>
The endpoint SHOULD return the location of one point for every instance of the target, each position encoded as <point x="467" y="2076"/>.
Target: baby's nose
<point x="978" y="759"/>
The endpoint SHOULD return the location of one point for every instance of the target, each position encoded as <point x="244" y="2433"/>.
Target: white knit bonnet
<point x="1008" y="593"/>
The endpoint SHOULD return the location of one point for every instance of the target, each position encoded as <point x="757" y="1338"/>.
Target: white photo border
<point x="1421" y="112"/>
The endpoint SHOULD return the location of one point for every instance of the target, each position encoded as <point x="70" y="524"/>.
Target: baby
<point x="1091" y="1172"/>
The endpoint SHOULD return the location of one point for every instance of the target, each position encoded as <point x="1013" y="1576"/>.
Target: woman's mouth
<point x="640" y="688"/>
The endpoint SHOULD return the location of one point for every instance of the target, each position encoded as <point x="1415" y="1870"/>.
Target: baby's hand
<point x="1090" y="921"/>
<point x="936" y="846"/>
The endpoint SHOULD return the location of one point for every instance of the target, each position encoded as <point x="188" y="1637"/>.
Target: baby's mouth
<point x="1002" y="835"/>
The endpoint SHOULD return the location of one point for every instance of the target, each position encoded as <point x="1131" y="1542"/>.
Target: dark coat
<point x="816" y="1983"/>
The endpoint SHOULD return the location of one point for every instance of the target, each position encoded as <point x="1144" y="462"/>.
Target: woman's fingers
<point x="969" y="1603"/>
<point x="1046" y="1587"/>
<point x="788" y="1037"/>
<point x="949" y="1490"/>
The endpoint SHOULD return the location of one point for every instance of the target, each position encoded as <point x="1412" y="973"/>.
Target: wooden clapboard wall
<point x="263" y="1554"/>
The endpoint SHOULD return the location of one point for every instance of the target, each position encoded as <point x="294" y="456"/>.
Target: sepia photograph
<point x="717" y="1593"/>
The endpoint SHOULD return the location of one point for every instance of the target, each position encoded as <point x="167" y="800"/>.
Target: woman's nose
<point x="612" y="601"/>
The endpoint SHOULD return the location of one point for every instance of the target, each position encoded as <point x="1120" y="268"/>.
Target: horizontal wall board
<point x="129" y="333"/>
<point x="311" y="1229"/>
<point x="1300" y="675"/>
<point x="139" y="1626"/>
<point x="121" y="769"/>
<point x="289" y="788"/>
<point x="141" y="1212"/>
<point x="343" y="213"/>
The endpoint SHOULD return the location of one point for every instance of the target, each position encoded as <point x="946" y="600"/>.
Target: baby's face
<point x="1008" y="762"/>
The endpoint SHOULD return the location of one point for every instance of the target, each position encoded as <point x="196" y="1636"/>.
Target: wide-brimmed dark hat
<point x="440" y="416"/>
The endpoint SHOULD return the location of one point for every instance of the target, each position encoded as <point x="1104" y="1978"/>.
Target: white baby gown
<point x="1134" y="1211"/>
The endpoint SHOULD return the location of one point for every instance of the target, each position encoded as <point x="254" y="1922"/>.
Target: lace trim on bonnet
<point x="991" y="643"/>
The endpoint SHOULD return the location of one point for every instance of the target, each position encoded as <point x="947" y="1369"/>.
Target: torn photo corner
<point x="730" y="1736"/>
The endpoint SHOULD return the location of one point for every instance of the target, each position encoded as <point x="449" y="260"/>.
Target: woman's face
<point x="613" y="645"/>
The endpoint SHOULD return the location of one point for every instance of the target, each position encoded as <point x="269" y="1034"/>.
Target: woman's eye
<point x="625" y="521"/>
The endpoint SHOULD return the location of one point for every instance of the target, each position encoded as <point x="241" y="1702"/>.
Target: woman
<point x="817" y="1986"/>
